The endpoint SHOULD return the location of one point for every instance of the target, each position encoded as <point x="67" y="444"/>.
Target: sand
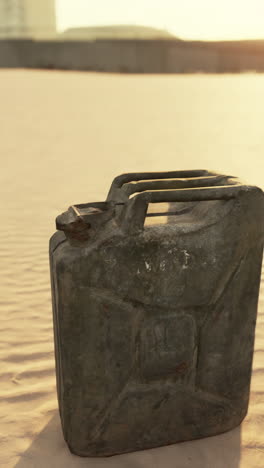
<point x="64" y="136"/>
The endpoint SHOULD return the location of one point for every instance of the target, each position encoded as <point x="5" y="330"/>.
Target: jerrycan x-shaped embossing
<point x="155" y="296"/>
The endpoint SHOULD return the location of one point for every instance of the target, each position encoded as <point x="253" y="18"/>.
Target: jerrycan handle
<point x="135" y="209"/>
<point x="121" y="188"/>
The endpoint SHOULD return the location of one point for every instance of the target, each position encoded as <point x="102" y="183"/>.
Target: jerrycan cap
<point x="81" y="221"/>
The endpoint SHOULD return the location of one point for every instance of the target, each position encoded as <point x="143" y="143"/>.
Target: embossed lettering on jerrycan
<point x="154" y="322"/>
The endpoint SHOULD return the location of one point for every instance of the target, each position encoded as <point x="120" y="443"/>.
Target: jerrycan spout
<point x="82" y="222"/>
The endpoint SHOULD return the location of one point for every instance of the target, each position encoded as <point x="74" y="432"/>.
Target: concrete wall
<point x="187" y="59"/>
<point x="237" y="62"/>
<point x="15" y="54"/>
<point x="132" y="56"/>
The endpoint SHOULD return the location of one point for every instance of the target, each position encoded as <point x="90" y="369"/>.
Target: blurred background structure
<point x="27" y="18"/>
<point x="133" y="55"/>
<point x="29" y="39"/>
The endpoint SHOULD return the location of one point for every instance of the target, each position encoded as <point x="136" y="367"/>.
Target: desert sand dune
<point x="64" y="136"/>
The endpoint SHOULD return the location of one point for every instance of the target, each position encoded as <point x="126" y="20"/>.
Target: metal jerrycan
<point x="155" y="296"/>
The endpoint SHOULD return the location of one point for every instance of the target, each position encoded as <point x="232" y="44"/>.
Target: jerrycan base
<point x="154" y="323"/>
<point x="100" y="450"/>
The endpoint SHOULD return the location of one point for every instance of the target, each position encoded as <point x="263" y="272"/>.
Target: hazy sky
<point x="201" y="19"/>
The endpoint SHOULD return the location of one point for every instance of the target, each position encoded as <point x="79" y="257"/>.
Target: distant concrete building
<point x="27" y="18"/>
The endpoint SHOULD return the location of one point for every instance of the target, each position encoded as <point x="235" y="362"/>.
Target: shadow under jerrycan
<point x="155" y="296"/>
